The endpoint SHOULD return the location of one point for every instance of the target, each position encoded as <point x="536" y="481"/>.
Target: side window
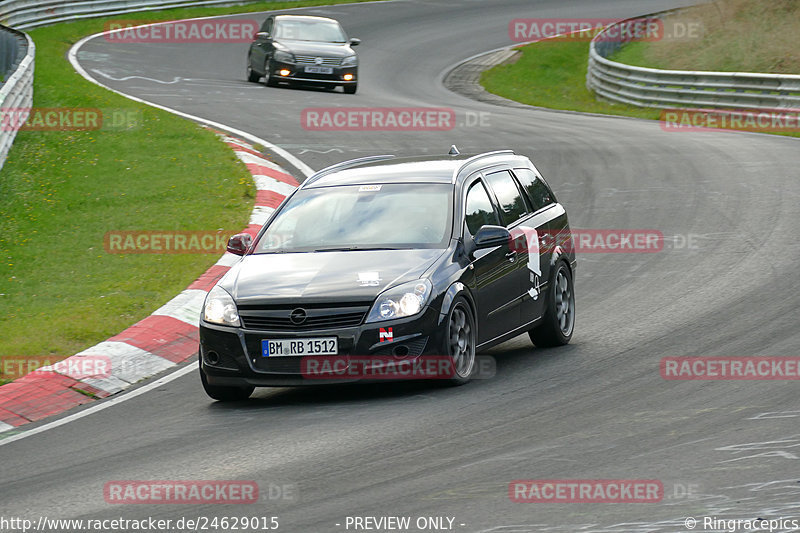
<point x="267" y="26"/>
<point x="537" y="190"/>
<point x="512" y="206"/>
<point x="478" y="208"/>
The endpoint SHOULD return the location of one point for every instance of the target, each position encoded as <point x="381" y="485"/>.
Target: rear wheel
<point x="559" y="318"/>
<point x="460" y="341"/>
<point x="351" y="88"/>
<point x="225" y="394"/>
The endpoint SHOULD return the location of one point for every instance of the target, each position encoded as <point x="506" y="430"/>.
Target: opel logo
<point x="318" y="61"/>
<point x="298" y="316"/>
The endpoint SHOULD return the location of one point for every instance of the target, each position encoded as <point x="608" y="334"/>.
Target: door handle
<point x="511" y="256"/>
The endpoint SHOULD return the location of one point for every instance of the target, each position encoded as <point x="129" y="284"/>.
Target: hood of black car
<point x="313" y="48"/>
<point x="342" y="276"/>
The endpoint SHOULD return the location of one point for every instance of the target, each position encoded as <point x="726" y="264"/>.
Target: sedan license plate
<point x="295" y="347"/>
<point x="319" y="70"/>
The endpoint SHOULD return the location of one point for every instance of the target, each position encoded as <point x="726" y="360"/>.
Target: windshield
<point x="308" y="30"/>
<point x="357" y="217"/>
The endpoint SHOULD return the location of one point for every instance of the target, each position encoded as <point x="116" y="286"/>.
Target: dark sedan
<point x="294" y="49"/>
<point x="413" y="260"/>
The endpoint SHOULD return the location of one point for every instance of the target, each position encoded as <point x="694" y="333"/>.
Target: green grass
<point x="727" y="36"/>
<point x="552" y="74"/>
<point x="61" y="191"/>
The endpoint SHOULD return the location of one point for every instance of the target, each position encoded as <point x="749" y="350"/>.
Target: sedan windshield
<point x="360" y="217"/>
<point x="305" y="30"/>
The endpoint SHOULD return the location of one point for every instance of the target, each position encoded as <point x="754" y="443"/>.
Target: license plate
<point x="294" y="347"/>
<point x="319" y="70"/>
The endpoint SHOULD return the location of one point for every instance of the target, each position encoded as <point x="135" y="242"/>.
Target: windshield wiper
<point x="351" y="249"/>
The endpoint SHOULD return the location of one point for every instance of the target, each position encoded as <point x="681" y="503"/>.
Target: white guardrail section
<point x="649" y="87"/>
<point x="16" y="93"/>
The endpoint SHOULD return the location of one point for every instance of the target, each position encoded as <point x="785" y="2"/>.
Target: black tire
<point x="350" y="88"/>
<point x="252" y="75"/>
<point x="225" y="394"/>
<point x="269" y="79"/>
<point x="460" y="340"/>
<point x="559" y="318"/>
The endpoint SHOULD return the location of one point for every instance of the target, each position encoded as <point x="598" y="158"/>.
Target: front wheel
<point x="269" y="78"/>
<point x="252" y="76"/>
<point x="460" y="341"/>
<point x="559" y="317"/>
<point x="225" y="394"/>
<point x="351" y="88"/>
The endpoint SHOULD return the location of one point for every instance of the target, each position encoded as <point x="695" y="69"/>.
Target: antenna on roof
<point x="453" y="150"/>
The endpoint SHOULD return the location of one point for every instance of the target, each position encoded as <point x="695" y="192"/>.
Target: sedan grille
<point x="287" y="319"/>
<point x="312" y="60"/>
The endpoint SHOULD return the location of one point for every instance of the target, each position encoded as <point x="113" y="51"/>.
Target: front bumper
<point x="298" y="74"/>
<point x="232" y="356"/>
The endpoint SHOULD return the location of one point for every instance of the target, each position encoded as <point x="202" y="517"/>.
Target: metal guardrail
<point x="649" y="87"/>
<point x="16" y="93"/>
<point x="24" y="14"/>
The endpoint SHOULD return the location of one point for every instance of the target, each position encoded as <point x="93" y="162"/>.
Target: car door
<point x="543" y="227"/>
<point x="495" y="287"/>
<point x="514" y="211"/>
<point x="262" y="45"/>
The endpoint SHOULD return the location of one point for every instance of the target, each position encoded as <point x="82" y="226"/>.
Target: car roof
<point x="421" y="169"/>
<point x="310" y="18"/>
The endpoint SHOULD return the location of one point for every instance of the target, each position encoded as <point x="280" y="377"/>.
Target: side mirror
<point x="491" y="236"/>
<point x="262" y="35"/>
<point x="239" y="243"/>
<point x="355" y="42"/>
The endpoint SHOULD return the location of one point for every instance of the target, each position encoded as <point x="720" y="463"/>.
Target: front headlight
<point x="404" y="300"/>
<point x="220" y="308"/>
<point x="350" y="61"/>
<point x="283" y="56"/>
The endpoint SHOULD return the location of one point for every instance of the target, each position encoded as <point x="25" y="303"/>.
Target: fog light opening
<point x="212" y="357"/>
<point x="401" y="350"/>
<point x="284" y="72"/>
<point x="348" y="77"/>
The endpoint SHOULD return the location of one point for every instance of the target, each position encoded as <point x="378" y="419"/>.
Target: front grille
<point x="312" y="60"/>
<point x="316" y="318"/>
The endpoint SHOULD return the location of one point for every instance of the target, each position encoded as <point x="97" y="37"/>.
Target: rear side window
<point x="512" y="207"/>
<point x="537" y="190"/>
<point x="479" y="210"/>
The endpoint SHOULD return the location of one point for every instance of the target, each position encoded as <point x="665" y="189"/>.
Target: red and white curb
<point x="165" y="338"/>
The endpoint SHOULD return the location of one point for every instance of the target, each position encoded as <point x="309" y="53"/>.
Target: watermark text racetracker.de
<point x="586" y="491"/>
<point x="181" y="31"/>
<point x="69" y="119"/>
<point x="76" y="367"/>
<point x="390" y="119"/>
<point x="722" y="368"/>
<point x="166" y="242"/>
<point x="757" y="120"/>
<point x="585" y="29"/>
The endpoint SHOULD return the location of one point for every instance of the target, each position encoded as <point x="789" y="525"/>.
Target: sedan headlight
<point x="220" y="308"/>
<point x="350" y="61"/>
<point x="283" y="56"/>
<point x="404" y="300"/>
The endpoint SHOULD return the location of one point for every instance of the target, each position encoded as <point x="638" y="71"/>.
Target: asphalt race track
<point x="596" y="409"/>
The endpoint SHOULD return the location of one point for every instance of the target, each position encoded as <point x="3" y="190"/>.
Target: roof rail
<point x="475" y="158"/>
<point x="343" y="165"/>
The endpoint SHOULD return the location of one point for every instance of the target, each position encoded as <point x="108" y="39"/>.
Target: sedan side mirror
<point x="355" y="42"/>
<point x="491" y="236"/>
<point x="239" y="243"/>
<point x="262" y="35"/>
